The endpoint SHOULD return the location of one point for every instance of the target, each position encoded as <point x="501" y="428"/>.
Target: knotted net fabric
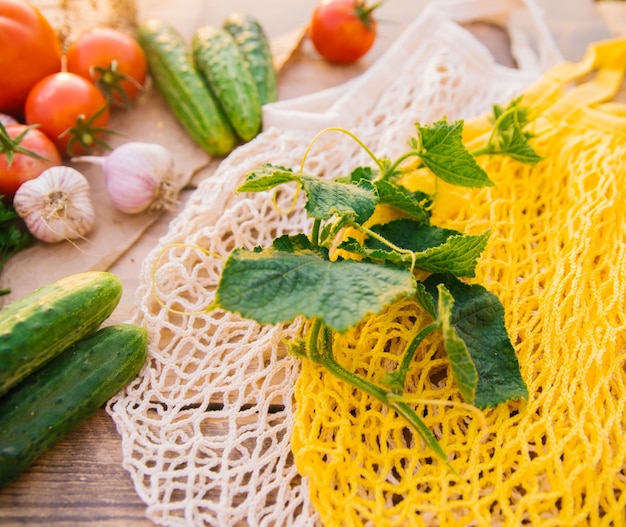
<point x="557" y="260"/>
<point x="209" y="425"/>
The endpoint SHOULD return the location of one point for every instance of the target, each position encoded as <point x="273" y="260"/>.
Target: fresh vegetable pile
<point x="57" y="108"/>
<point x="57" y="367"/>
<point x="52" y="112"/>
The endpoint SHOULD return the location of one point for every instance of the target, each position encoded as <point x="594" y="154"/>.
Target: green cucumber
<point x="39" y="326"/>
<point x="254" y="44"/>
<point x="224" y="67"/>
<point x="176" y="76"/>
<point x="51" y="402"/>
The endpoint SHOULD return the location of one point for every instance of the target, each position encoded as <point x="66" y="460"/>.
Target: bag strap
<point x="532" y="44"/>
<point x="587" y="86"/>
<point x="568" y="86"/>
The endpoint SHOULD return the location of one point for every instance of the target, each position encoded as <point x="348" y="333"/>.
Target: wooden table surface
<point x="81" y="480"/>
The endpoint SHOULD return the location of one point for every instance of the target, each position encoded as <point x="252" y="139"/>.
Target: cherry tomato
<point x="29" y="50"/>
<point x="113" y="60"/>
<point x="70" y="110"/>
<point x="343" y="31"/>
<point x="25" y="152"/>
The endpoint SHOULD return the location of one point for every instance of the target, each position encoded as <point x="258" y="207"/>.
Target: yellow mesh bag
<point x="207" y="426"/>
<point x="557" y="260"/>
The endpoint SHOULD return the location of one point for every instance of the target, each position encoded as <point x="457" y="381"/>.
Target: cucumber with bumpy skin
<point x="51" y="402"/>
<point x="176" y="76"/>
<point x="39" y="326"/>
<point x="255" y="47"/>
<point x="223" y="65"/>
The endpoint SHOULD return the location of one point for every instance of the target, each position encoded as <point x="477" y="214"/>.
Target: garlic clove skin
<point x="139" y="177"/>
<point x="56" y="205"/>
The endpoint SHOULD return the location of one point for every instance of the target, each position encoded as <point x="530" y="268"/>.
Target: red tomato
<point x="343" y="31"/>
<point x="111" y="59"/>
<point x="29" y="50"/>
<point x="70" y="110"/>
<point x="18" y="157"/>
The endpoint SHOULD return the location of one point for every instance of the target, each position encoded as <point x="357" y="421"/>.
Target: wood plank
<point x="78" y="482"/>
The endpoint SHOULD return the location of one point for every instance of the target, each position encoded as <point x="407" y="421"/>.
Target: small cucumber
<point x="224" y="67"/>
<point x="184" y="89"/>
<point x="51" y="402"/>
<point x="254" y="44"/>
<point x="39" y="326"/>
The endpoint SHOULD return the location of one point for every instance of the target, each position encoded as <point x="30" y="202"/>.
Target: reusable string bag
<point x="557" y="260"/>
<point x="207" y="426"/>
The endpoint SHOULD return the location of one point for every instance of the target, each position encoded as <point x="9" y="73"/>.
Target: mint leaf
<point x="461" y="362"/>
<point x="330" y="198"/>
<point x="443" y="152"/>
<point x="381" y="255"/>
<point x="478" y="319"/>
<point x="325" y="198"/>
<point x="272" y="286"/>
<point x="436" y="249"/>
<point x="360" y="173"/>
<point x="412" y="235"/>
<point x="426" y="300"/>
<point x="414" y="204"/>
<point x="296" y="243"/>
<point x="514" y="143"/>
<point x="508" y="136"/>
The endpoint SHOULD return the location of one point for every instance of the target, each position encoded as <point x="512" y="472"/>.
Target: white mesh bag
<point x="206" y="426"/>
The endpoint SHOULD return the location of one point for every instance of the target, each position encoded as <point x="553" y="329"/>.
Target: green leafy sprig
<point x="14" y="236"/>
<point x="297" y="277"/>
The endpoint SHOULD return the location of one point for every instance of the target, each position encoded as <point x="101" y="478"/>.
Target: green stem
<point x="396" y="163"/>
<point x="398" y="378"/>
<point x="489" y="149"/>
<point x="324" y="357"/>
<point x="9" y="146"/>
<point x="315" y="232"/>
<point x="484" y="151"/>
<point x="314" y="353"/>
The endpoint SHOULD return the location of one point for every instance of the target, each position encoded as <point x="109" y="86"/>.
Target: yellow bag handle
<point x="549" y="97"/>
<point x="606" y="58"/>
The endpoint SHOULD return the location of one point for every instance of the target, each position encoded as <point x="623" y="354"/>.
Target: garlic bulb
<point x="7" y="120"/>
<point x="56" y="205"/>
<point x="139" y="177"/>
